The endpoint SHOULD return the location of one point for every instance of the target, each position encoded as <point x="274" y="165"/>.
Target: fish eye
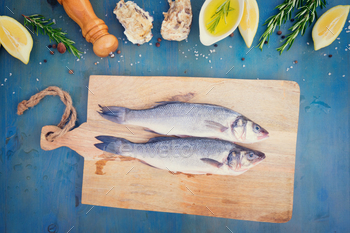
<point x="251" y="156"/>
<point x="256" y="128"/>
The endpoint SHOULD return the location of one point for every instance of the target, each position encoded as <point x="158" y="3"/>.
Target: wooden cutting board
<point x="264" y="193"/>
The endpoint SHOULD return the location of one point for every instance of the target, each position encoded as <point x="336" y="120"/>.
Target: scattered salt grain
<point x="243" y="65"/>
<point x="37" y="80"/>
<point x="10" y="74"/>
<point x="78" y="59"/>
<point x="131" y="64"/>
<point x="125" y="42"/>
<point x="303" y="79"/>
<point x="84" y="52"/>
<point x="150" y="43"/>
<point x="13" y="92"/>
<point x="329" y="73"/>
<point x="140" y="55"/>
<point x="287" y="69"/>
<point x="324" y="54"/>
<point x="291" y="67"/>
<point x="336" y="47"/>
<point x="343" y="75"/>
<point x="209" y="61"/>
<point x="230" y="46"/>
<point x="40" y="63"/>
<point x="5" y="80"/>
<point x="220" y="58"/>
<point x="196" y="58"/>
<point x="183" y="52"/>
<point x="338" y="38"/>
<point x="307" y="43"/>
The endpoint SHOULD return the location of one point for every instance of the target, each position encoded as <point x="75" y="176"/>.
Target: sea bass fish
<point x="189" y="119"/>
<point x="186" y="155"/>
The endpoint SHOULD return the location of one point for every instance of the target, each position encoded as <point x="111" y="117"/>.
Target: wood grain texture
<point x="264" y="193"/>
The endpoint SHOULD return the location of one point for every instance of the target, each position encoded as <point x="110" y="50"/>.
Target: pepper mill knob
<point x="94" y="30"/>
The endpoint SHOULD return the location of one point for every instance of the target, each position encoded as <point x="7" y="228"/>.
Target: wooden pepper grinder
<point x="93" y="29"/>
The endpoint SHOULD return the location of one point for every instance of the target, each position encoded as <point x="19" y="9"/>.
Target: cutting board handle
<point x="74" y="139"/>
<point x="93" y="29"/>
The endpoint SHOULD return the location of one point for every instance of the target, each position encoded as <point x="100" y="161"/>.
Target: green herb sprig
<point x="306" y="15"/>
<point x="40" y="24"/>
<point x="221" y="12"/>
<point x="284" y="14"/>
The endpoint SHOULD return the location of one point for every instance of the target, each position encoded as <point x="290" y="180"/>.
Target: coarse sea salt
<point x="329" y="73"/>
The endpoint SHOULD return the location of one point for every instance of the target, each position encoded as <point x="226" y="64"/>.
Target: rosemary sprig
<point x="306" y="15"/>
<point x="284" y="14"/>
<point x="40" y="24"/>
<point x="221" y="12"/>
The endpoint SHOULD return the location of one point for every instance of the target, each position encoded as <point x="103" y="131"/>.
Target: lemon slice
<point x="250" y="21"/>
<point x="15" y="38"/>
<point x="329" y="26"/>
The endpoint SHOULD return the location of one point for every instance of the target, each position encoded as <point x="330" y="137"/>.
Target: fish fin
<point x="149" y="130"/>
<point x="160" y="103"/>
<point x="114" y="114"/>
<point x="158" y="139"/>
<point x="216" y="125"/>
<point x="148" y="164"/>
<point x="212" y="162"/>
<point x="110" y="144"/>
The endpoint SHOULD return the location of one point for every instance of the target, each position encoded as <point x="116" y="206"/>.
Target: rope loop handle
<point x="69" y="111"/>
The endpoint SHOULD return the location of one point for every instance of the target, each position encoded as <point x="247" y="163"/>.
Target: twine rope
<point x="69" y="111"/>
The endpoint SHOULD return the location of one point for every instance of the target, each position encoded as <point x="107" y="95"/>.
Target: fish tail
<point x="115" y="114"/>
<point x="112" y="144"/>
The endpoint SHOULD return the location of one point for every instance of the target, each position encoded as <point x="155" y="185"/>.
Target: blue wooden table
<point x="41" y="191"/>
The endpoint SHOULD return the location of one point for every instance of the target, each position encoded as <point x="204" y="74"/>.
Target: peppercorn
<point x="296" y="62"/>
<point x="52" y="52"/>
<point x="330" y="55"/>
<point x="266" y="42"/>
<point x="292" y="20"/>
<point x="279" y="32"/>
<point x="118" y="51"/>
<point x="157" y="44"/>
<point x="243" y="59"/>
<point x="45" y="60"/>
<point x="231" y="35"/>
<point x="283" y="37"/>
<point x="54" y="46"/>
<point x="61" y="48"/>
<point x="159" y="39"/>
<point x="215" y="45"/>
<point x="50" y="46"/>
<point x="71" y="72"/>
<point x="138" y="44"/>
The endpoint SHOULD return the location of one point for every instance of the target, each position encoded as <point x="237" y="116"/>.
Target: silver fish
<point x="189" y="119"/>
<point x="186" y="155"/>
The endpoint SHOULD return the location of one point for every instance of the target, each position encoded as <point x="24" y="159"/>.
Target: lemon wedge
<point x="250" y="21"/>
<point x="329" y="25"/>
<point x="15" y="38"/>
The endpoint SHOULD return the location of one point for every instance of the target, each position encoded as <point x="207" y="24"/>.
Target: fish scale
<point x="189" y="119"/>
<point x="187" y="155"/>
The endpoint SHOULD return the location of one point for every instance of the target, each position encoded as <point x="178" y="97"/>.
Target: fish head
<point x="242" y="159"/>
<point x="247" y="131"/>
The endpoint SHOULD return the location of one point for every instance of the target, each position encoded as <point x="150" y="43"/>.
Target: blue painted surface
<point x="41" y="190"/>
